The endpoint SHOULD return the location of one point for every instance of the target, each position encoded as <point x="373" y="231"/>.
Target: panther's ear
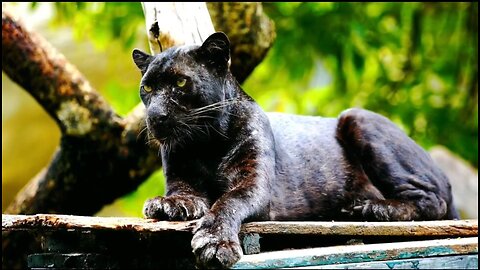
<point x="141" y="59"/>
<point x="217" y="48"/>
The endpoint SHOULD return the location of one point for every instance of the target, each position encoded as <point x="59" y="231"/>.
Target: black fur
<point x="226" y="161"/>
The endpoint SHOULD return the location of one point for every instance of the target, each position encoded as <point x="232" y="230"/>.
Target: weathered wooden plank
<point x="398" y="228"/>
<point x="358" y="253"/>
<point x="55" y="222"/>
<point x="250" y="243"/>
<point x="452" y="228"/>
<point x="444" y="262"/>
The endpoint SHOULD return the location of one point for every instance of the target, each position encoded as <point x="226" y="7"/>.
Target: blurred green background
<point x="415" y="63"/>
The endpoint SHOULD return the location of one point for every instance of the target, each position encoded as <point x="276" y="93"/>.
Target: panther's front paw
<point x="175" y="207"/>
<point x="215" y="245"/>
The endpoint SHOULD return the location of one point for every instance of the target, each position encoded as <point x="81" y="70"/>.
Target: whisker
<point x="213" y="106"/>
<point x="221" y="133"/>
<point x="194" y="121"/>
<point x="206" y="129"/>
<point x="231" y="100"/>
<point x="142" y="131"/>
<point x="192" y="118"/>
<point x="208" y="110"/>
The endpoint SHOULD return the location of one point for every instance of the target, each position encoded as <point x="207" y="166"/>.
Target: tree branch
<point x="57" y="85"/>
<point x="98" y="148"/>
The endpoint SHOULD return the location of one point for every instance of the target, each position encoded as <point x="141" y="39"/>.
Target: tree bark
<point x="99" y="153"/>
<point x="101" y="156"/>
<point x="250" y="30"/>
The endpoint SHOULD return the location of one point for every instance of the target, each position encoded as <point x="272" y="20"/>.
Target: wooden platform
<point x="103" y="243"/>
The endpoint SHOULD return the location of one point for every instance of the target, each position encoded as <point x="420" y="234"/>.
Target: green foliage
<point x="108" y="25"/>
<point x="131" y="204"/>
<point x="103" y="22"/>
<point x="413" y="62"/>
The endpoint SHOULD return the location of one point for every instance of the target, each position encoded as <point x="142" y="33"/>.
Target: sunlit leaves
<point x="103" y="22"/>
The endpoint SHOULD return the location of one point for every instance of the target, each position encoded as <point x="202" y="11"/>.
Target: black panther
<point x="226" y="161"/>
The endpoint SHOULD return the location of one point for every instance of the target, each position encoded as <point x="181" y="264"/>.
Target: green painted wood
<point x="250" y="243"/>
<point x="444" y="262"/>
<point x="358" y="253"/>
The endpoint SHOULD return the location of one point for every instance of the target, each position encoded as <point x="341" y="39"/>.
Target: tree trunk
<point x="101" y="156"/>
<point x="250" y="31"/>
<point x="166" y="29"/>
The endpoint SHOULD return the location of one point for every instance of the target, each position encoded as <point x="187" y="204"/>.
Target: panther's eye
<point x="147" y="88"/>
<point x="181" y="82"/>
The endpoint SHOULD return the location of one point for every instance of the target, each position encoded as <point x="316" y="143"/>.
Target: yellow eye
<point x="181" y="82"/>
<point x="147" y="88"/>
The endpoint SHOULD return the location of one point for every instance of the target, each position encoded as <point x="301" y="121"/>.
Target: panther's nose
<point x="159" y="118"/>
<point x="159" y="124"/>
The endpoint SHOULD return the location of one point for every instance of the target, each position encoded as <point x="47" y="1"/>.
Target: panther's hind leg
<point x="414" y="188"/>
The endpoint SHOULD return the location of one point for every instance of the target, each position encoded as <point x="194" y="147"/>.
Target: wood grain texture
<point x="56" y="222"/>
<point x="407" y="228"/>
<point x="358" y="253"/>
<point x="453" y="228"/>
<point x="448" y="262"/>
